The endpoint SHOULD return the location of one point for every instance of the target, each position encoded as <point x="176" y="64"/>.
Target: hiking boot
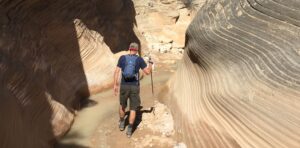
<point x="122" y="125"/>
<point x="129" y="131"/>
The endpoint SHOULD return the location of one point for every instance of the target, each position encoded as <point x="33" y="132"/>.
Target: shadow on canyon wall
<point x="41" y="70"/>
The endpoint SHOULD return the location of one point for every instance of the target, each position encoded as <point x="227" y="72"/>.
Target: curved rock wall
<point x="239" y="82"/>
<point x="53" y="54"/>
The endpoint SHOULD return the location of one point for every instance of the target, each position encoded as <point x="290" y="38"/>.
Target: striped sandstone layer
<point x="238" y="84"/>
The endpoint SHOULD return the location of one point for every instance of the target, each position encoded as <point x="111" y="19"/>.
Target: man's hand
<point x="116" y="89"/>
<point x="150" y="61"/>
<point x="148" y="69"/>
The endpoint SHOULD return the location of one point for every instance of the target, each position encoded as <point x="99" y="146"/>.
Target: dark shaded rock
<point x="48" y="61"/>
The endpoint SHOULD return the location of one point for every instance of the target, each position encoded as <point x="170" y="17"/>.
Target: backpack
<point x="129" y="73"/>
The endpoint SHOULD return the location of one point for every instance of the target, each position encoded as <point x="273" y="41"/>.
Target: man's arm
<point x="148" y="69"/>
<point x="116" y="80"/>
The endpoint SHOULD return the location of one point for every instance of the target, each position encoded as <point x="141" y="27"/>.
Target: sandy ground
<point x="96" y="125"/>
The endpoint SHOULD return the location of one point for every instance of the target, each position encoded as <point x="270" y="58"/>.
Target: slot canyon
<point x="226" y="73"/>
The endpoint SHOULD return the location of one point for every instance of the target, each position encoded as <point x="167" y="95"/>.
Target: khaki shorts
<point x="133" y="93"/>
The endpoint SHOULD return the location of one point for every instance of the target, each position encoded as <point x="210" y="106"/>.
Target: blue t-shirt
<point x="140" y="64"/>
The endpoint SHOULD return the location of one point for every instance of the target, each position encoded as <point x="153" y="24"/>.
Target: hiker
<point x="130" y="65"/>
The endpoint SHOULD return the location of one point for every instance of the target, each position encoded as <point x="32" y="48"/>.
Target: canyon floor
<point x="96" y="125"/>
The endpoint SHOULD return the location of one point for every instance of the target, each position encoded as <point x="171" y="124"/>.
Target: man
<point x="130" y="65"/>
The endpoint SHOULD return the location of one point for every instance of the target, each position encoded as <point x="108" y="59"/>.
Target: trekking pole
<point x="151" y="78"/>
<point x="152" y="108"/>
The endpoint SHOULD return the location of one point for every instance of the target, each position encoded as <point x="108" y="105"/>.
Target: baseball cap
<point x="134" y="46"/>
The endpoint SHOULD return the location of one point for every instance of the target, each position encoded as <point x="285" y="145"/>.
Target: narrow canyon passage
<point x="227" y="73"/>
<point x="96" y="125"/>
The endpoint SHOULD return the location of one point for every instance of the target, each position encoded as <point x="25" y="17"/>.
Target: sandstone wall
<point x="163" y="23"/>
<point x="239" y="82"/>
<point x="53" y="54"/>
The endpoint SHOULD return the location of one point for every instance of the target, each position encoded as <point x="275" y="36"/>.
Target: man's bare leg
<point x="122" y="112"/>
<point x="122" y="116"/>
<point x="131" y="121"/>
<point x="132" y="117"/>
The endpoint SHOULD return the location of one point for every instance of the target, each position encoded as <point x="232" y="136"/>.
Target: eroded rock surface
<point x="239" y="81"/>
<point x="163" y="23"/>
<point x="52" y="55"/>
